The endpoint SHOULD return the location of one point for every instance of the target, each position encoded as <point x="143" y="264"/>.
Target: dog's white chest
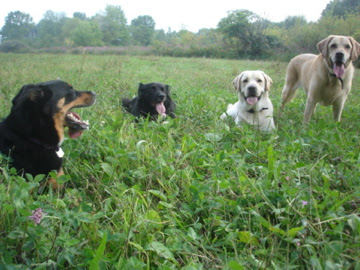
<point x="60" y="153"/>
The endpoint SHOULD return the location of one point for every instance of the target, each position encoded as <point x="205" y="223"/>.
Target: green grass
<point x="194" y="193"/>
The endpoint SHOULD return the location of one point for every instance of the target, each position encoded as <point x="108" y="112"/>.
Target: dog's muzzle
<point x="252" y="98"/>
<point x="338" y="64"/>
<point x="251" y="91"/>
<point x="339" y="57"/>
<point x="160" y="98"/>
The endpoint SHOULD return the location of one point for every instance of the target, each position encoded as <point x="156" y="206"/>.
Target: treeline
<point x="242" y="34"/>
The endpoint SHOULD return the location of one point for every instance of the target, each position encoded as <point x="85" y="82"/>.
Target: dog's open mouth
<point x="160" y="108"/>
<point x="251" y="100"/>
<point x="75" y="124"/>
<point x="339" y="69"/>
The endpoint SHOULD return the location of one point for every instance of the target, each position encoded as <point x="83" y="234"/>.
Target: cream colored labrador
<point x="254" y="106"/>
<point x="326" y="77"/>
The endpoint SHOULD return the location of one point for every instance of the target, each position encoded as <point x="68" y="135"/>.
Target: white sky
<point x="182" y="14"/>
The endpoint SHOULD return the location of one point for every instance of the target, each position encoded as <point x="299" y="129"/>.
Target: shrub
<point x="14" y="46"/>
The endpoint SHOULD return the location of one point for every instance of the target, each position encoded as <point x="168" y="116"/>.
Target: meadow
<point x="192" y="193"/>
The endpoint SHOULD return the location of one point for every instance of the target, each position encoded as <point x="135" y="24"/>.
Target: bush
<point x="14" y="46"/>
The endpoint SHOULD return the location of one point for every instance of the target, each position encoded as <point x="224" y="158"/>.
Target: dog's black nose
<point x="339" y="56"/>
<point x="251" y="90"/>
<point x="162" y="96"/>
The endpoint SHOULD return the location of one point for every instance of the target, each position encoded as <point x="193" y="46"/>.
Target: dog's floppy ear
<point x="237" y="81"/>
<point x="355" y="52"/>
<point x="140" y="88"/>
<point x="268" y="81"/>
<point x="27" y="110"/>
<point x="323" y="46"/>
<point x="23" y="94"/>
<point x="31" y="93"/>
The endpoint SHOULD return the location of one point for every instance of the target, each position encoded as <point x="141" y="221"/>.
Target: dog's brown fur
<point x="326" y="77"/>
<point x="33" y="131"/>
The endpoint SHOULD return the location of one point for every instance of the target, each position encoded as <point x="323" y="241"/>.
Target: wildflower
<point x="304" y="202"/>
<point x="37" y="215"/>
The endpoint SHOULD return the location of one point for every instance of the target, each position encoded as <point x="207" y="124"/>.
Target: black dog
<point x="153" y="100"/>
<point x="33" y="131"/>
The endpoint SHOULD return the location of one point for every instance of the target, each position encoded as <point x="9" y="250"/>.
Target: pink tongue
<point x="75" y="134"/>
<point x="160" y="108"/>
<point x="339" y="70"/>
<point x="251" y="100"/>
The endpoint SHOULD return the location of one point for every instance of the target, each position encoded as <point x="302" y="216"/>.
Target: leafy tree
<point x="113" y="26"/>
<point x="50" y="29"/>
<point x="142" y="30"/>
<point x="292" y="21"/>
<point x="349" y="25"/>
<point x="342" y="7"/>
<point x="67" y="30"/>
<point x="18" y="26"/>
<point x="295" y="34"/>
<point x="87" y="33"/>
<point x="160" y="35"/>
<point x="186" y="38"/>
<point x="246" y="31"/>
<point x="79" y="15"/>
<point x="209" y="36"/>
<point x="78" y="32"/>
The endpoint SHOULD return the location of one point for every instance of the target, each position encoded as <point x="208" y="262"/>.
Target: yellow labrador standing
<point x="326" y="77"/>
<point x="254" y="106"/>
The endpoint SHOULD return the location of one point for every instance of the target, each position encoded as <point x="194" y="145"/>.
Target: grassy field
<point x="193" y="193"/>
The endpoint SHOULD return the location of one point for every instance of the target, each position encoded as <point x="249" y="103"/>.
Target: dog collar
<point x="341" y="80"/>
<point x="253" y="111"/>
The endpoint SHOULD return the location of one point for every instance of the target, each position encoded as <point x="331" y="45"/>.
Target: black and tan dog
<point x="153" y="99"/>
<point x="33" y="131"/>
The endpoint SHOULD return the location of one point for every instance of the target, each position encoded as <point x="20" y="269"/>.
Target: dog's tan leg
<point x="309" y="110"/>
<point x="54" y="184"/>
<point x="291" y="84"/>
<point x="337" y="109"/>
<point x="288" y="93"/>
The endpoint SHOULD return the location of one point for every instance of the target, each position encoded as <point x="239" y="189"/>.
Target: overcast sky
<point x="185" y="14"/>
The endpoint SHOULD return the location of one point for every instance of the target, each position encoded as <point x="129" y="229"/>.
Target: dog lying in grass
<point x="33" y="131"/>
<point x="153" y="99"/>
<point x="254" y="106"/>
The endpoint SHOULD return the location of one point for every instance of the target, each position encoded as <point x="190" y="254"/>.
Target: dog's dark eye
<point x="245" y="81"/>
<point x="259" y="80"/>
<point x="347" y="46"/>
<point x="333" y="46"/>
